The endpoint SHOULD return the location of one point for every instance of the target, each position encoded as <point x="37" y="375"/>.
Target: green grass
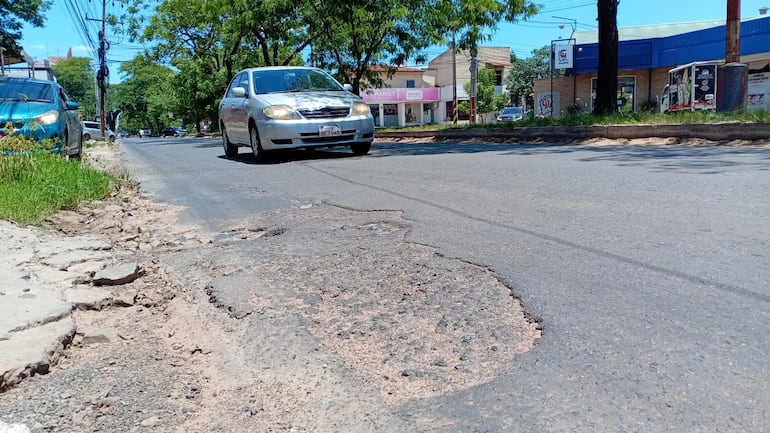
<point x="35" y="183"/>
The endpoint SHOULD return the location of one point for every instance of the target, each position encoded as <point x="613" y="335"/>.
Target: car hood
<point x="16" y="111"/>
<point x="309" y="100"/>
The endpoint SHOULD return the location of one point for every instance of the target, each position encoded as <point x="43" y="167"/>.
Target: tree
<point x="474" y="21"/>
<point x="486" y="100"/>
<point x="521" y="79"/>
<point x="76" y="76"/>
<point x="353" y="35"/>
<point x="145" y="96"/>
<point x="607" y="74"/>
<point x="12" y="16"/>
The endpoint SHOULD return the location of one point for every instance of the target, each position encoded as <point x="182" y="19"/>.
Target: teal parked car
<point x="40" y="109"/>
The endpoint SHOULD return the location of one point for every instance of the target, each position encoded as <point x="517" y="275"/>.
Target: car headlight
<point x="47" y="118"/>
<point x="361" y="109"/>
<point x="281" y="112"/>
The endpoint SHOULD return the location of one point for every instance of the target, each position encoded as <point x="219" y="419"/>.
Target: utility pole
<point x="474" y="79"/>
<point x="104" y="72"/>
<point x="733" y="53"/>
<point x="454" y="77"/>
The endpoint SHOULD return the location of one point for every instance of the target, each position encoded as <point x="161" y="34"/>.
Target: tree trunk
<point x="607" y="79"/>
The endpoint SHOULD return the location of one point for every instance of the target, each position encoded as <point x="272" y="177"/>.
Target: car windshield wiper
<point x="38" y="100"/>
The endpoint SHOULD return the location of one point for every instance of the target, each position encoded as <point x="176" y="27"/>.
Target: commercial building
<point x="416" y="96"/>
<point x="645" y="55"/>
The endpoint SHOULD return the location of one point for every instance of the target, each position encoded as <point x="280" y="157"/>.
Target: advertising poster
<point x="679" y="89"/>
<point x="759" y="91"/>
<point x="704" y="86"/>
<point x="545" y="105"/>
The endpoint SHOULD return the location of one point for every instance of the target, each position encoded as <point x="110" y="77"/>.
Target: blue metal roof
<point x="671" y="51"/>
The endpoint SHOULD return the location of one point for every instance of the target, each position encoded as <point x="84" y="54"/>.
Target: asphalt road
<point x="647" y="267"/>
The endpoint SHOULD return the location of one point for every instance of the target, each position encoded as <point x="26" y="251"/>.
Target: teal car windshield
<point x="26" y="91"/>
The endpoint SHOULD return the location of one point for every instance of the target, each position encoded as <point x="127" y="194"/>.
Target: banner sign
<point x="705" y="87"/>
<point x="759" y="91"/>
<point x="563" y="56"/>
<point x="425" y="94"/>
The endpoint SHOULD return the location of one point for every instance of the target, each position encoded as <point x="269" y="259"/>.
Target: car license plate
<point x="329" y="130"/>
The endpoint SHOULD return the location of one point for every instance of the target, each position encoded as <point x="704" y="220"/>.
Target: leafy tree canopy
<point x="524" y="72"/>
<point x="486" y="100"/>
<point x="144" y="97"/>
<point x="13" y="14"/>
<point x="76" y="76"/>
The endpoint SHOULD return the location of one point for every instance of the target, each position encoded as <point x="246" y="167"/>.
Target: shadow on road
<point x="283" y="156"/>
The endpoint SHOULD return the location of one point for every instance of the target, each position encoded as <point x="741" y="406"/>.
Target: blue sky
<point x="555" y="21"/>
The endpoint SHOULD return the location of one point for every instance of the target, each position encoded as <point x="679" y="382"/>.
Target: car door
<point x="229" y="111"/>
<point x="239" y="107"/>
<point x="73" y="122"/>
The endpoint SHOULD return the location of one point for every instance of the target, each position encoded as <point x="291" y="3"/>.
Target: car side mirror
<point x="239" y="92"/>
<point x="72" y="105"/>
<point x="348" y="87"/>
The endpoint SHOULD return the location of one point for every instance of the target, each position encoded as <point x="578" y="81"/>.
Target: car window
<point x="292" y="80"/>
<point x="235" y="83"/>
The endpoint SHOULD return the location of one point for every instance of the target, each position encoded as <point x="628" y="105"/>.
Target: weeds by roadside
<point x="34" y="183"/>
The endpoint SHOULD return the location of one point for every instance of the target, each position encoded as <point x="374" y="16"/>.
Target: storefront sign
<point x="563" y="56"/>
<point x="426" y="94"/>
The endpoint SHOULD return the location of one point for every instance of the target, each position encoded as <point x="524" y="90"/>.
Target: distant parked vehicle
<point x="94" y="130"/>
<point x="173" y="131"/>
<point x="511" y="114"/>
<point x="40" y="109"/>
<point x="145" y="132"/>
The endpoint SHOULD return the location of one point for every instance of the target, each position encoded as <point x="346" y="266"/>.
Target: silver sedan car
<point x="289" y="107"/>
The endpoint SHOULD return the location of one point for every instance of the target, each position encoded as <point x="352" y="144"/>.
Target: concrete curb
<point x="713" y="132"/>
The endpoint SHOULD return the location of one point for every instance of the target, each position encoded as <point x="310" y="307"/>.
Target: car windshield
<point x="26" y="91"/>
<point x="292" y="80"/>
<point x="513" y="110"/>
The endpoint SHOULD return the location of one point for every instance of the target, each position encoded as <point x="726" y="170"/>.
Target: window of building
<point x="498" y="77"/>
<point x="410" y="84"/>
<point x="626" y="93"/>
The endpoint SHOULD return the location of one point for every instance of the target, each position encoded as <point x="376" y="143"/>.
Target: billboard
<point x="704" y="87"/>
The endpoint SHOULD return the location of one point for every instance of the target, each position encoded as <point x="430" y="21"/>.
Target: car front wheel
<point x="361" y="148"/>
<point x="231" y="150"/>
<point x="256" y="147"/>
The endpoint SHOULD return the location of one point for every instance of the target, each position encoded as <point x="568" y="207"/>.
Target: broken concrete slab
<point x="88" y="298"/>
<point x="117" y="275"/>
<point x="31" y="351"/>
<point x="25" y="305"/>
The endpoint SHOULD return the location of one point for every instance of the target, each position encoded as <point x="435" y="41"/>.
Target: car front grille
<point x="325" y="112"/>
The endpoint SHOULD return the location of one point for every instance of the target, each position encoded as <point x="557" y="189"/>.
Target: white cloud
<point x="81" y="49"/>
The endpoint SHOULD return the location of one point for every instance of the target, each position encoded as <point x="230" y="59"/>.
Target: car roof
<point x="25" y="79"/>
<point x="279" y="68"/>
